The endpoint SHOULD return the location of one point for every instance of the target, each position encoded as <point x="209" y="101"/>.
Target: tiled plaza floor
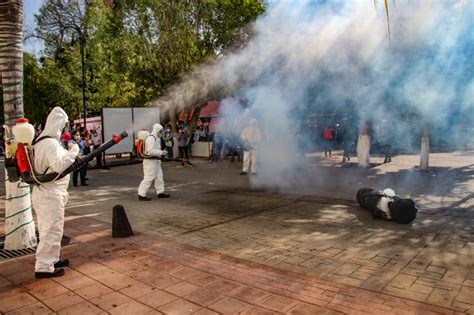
<point x="304" y="243"/>
<point x="145" y="275"/>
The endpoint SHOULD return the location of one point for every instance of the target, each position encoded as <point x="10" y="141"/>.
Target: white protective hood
<point x="153" y="144"/>
<point x="156" y="130"/>
<point x="49" y="154"/>
<point x="55" y="123"/>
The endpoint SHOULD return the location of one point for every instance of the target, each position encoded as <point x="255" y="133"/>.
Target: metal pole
<point x="83" y="80"/>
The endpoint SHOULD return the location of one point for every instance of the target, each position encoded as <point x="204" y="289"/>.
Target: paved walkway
<point x="311" y="226"/>
<point x="146" y="275"/>
<point x="320" y="231"/>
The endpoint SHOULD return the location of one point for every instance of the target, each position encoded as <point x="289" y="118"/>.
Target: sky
<point x="30" y="8"/>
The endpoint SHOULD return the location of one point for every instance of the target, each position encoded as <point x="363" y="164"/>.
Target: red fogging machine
<point x="20" y="161"/>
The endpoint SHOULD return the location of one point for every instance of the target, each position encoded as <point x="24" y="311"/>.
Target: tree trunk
<point x="193" y="123"/>
<point x="83" y="70"/>
<point x="173" y="119"/>
<point x="425" y="149"/>
<point x="363" y="146"/>
<point x="19" y="223"/>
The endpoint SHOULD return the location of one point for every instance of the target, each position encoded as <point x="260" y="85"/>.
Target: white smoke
<point x="325" y="55"/>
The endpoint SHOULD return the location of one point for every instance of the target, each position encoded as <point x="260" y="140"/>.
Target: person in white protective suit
<point x="152" y="167"/>
<point x="49" y="199"/>
<point x="251" y="137"/>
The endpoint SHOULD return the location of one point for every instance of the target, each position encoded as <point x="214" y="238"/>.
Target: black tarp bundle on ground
<point x="402" y="210"/>
<point x="368" y="198"/>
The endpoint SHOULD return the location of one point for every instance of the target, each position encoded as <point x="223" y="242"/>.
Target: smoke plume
<point x="328" y="62"/>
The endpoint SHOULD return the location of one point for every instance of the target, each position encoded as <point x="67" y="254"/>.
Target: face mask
<point x="77" y="138"/>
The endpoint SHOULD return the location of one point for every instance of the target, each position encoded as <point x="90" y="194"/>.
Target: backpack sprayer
<point x="140" y="146"/>
<point x="20" y="164"/>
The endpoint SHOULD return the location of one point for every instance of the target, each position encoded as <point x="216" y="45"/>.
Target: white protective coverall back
<point x="152" y="168"/>
<point x="251" y="136"/>
<point x="49" y="199"/>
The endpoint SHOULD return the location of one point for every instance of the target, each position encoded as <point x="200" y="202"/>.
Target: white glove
<point x="164" y="152"/>
<point x="73" y="148"/>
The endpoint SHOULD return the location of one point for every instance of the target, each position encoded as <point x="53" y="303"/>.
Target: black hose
<point x="163" y="159"/>
<point x="46" y="178"/>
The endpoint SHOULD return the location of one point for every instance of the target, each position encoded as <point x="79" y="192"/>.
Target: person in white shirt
<point x="96" y="141"/>
<point x="251" y="138"/>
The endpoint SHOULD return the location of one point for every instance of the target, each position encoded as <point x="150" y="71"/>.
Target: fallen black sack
<point x="402" y="210"/>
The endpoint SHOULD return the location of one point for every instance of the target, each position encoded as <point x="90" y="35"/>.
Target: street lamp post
<point x="83" y="79"/>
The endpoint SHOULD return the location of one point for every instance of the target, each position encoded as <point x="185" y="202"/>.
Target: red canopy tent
<point x="210" y="113"/>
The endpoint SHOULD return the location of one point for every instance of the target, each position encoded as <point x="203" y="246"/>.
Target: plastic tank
<point x="23" y="131"/>
<point x="142" y="134"/>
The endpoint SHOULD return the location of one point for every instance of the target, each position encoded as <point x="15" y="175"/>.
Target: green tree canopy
<point x="135" y="50"/>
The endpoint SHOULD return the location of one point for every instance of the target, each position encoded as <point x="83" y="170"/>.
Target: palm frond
<point x="388" y="21"/>
<point x="388" y="15"/>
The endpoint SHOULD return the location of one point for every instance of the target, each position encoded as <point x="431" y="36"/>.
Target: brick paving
<point x="145" y="274"/>
<point x="310" y="230"/>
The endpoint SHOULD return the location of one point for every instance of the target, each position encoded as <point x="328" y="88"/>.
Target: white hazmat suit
<point x="152" y="168"/>
<point x="251" y="137"/>
<point x="49" y="199"/>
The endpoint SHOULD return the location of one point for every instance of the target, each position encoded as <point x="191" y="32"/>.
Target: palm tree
<point x="387" y="14"/>
<point x="363" y="142"/>
<point x="425" y="148"/>
<point x="425" y="138"/>
<point x="19" y="223"/>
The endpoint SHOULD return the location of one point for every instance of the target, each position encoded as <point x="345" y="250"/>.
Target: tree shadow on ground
<point x="437" y="188"/>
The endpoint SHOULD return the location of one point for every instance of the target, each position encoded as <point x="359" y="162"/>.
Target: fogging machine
<point x="21" y="167"/>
